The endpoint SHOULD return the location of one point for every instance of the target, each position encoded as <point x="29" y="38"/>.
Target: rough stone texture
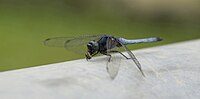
<point x="172" y="72"/>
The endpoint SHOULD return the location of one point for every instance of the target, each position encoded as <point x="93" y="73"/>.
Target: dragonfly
<point x="102" y="44"/>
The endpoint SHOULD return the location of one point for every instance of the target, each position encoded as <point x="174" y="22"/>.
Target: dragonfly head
<point x="92" y="48"/>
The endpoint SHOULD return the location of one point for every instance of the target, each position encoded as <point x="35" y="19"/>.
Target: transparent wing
<point x="57" y="41"/>
<point x="114" y="61"/>
<point x="68" y="42"/>
<point x="133" y="58"/>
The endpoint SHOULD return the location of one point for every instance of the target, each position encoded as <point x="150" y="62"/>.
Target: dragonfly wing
<point x="70" y="41"/>
<point x="133" y="58"/>
<point x="57" y="41"/>
<point x="73" y="44"/>
<point x="83" y="40"/>
<point x="114" y="61"/>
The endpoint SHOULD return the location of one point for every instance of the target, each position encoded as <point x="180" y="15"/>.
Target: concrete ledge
<point x="172" y="72"/>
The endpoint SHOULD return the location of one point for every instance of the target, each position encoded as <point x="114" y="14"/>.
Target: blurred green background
<point x="25" y="24"/>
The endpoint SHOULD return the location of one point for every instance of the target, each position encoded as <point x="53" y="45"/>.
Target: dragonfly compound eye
<point x="92" y="49"/>
<point x="93" y="46"/>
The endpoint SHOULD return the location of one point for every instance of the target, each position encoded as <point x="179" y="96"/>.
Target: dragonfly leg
<point x="109" y="56"/>
<point x="108" y="60"/>
<point x="114" y="51"/>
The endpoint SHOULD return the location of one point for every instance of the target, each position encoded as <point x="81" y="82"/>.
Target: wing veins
<point x="69" y="41"/>
<point x="133" y="58"/>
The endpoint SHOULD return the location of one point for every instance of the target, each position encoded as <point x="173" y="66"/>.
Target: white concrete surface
<point x="172" y="72"/>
